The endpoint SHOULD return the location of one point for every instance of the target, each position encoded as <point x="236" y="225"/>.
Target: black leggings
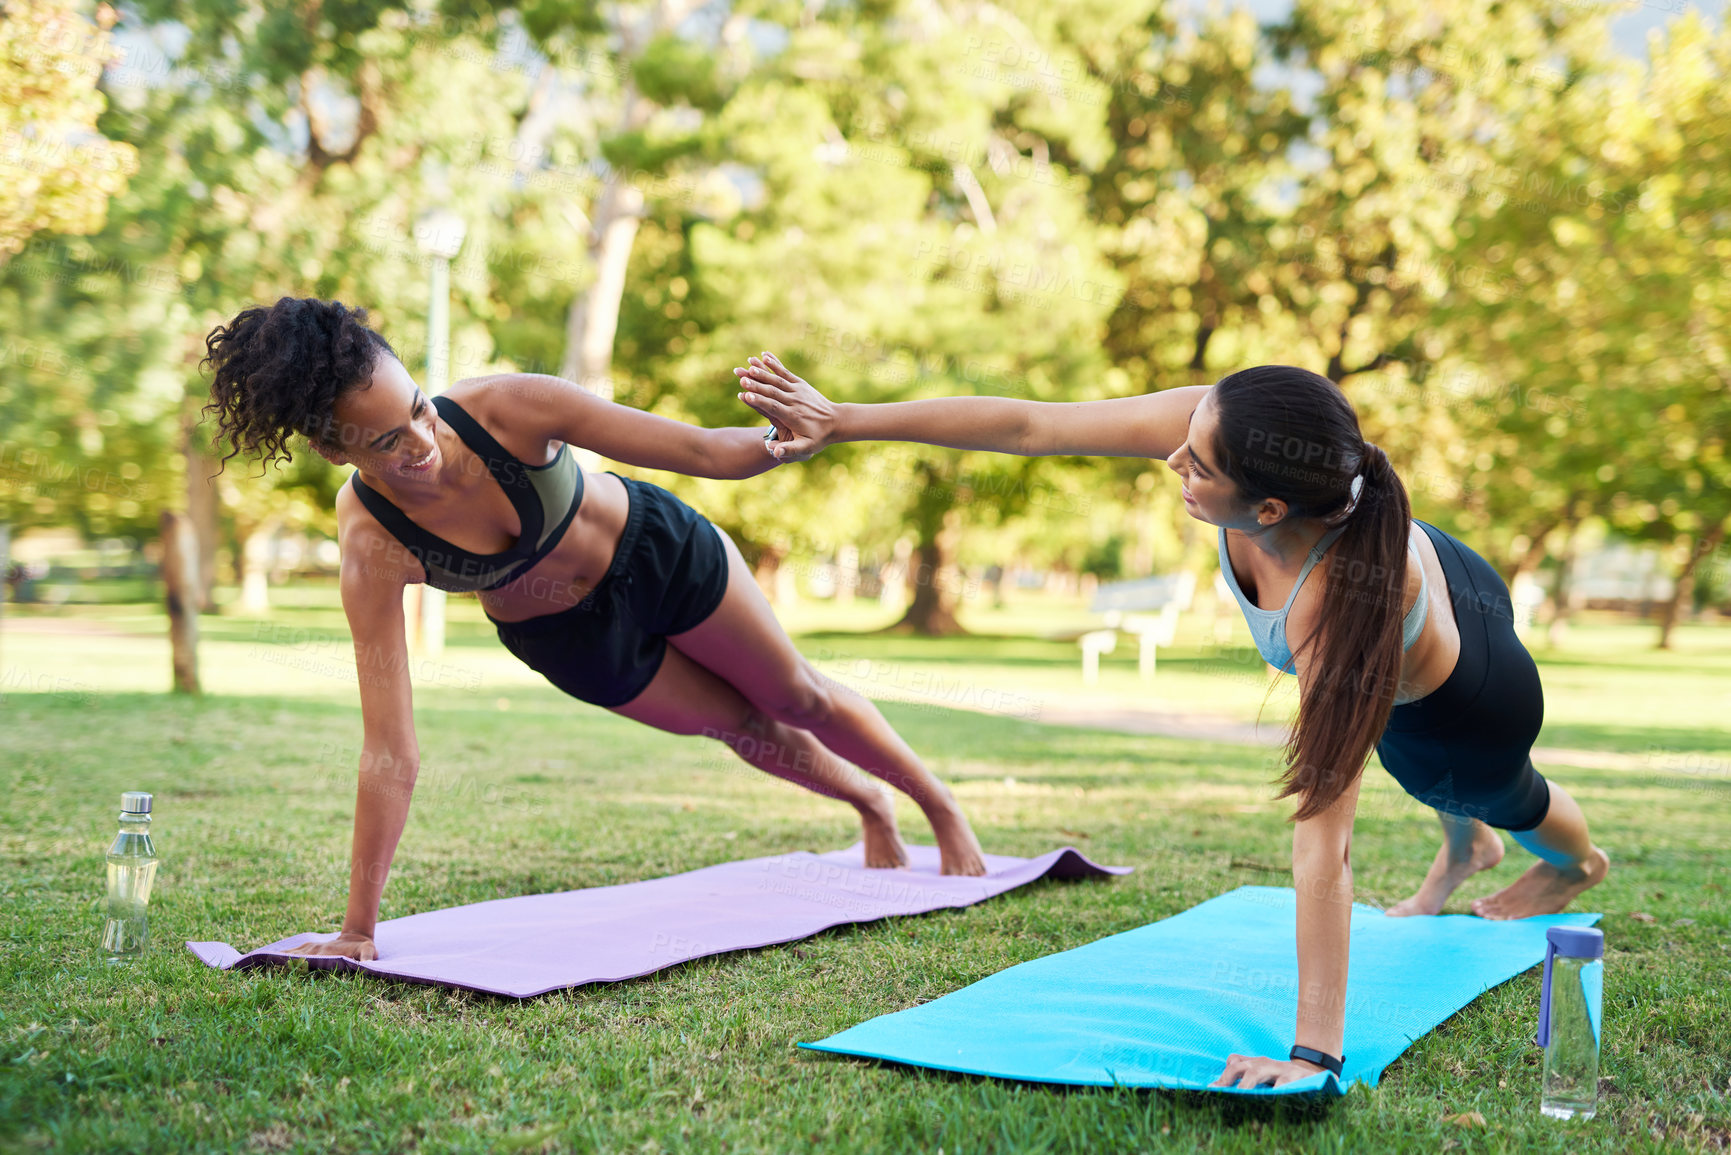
<point x="1466" y="747"/>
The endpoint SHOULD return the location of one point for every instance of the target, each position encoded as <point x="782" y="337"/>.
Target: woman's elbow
<point x="1330" y="858"/>
<point x="1032" y="439"/>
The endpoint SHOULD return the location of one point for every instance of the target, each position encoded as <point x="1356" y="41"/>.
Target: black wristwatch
<point x="1326" y="1061"/>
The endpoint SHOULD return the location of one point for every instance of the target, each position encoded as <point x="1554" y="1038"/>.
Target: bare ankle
<point x="1484" y="851"/>
<point x="876" y="805"/>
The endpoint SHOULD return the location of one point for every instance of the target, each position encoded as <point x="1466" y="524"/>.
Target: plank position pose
<point x="1419" y="661"/>
<point x="613" y="589"/>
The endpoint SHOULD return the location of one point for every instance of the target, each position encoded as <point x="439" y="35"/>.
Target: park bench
<point x="1130" y="606"/>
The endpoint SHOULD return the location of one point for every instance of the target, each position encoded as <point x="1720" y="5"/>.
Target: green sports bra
<point x="545" y="497"/>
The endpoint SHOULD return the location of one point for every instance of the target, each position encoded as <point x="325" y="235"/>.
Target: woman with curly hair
<point x="613" y="589"/>
<point x="1403" y="638"/>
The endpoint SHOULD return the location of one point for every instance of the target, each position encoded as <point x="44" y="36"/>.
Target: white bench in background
<point x="1125" y="606"/>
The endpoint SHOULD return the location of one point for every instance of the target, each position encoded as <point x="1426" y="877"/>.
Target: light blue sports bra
<point x="1268" y="627"/>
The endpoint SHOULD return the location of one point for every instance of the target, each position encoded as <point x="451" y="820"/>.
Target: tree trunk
<point x="1536" y="533"/>
<point x="1559" y="627"/>
<point x="932" y="611"/>
<point x="766" y="571"/>
<point x="893" y="578"/>
<point x="203" y="503"/>
<point x="254" y="567"/>
<point x="846" y="574"/>
<point x="5" y="563"/>
<point x="1684" y="593"/>
<point x="180" y="577"/>
<point x="594" y="316"/>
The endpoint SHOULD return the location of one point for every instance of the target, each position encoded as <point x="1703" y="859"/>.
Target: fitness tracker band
<point x="1326" y="1061"/>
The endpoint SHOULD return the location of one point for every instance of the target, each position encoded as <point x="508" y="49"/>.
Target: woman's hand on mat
<point x="805" y="419"/>
<point x="1256" y="1071"/>
<point x="346" y="945"/>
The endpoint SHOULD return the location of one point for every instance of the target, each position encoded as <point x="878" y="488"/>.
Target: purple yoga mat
<point x="545" y="942"/>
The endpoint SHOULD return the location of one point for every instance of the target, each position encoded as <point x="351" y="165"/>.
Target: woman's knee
<point x="805" y="700"/>
<point x="747" y="727"/>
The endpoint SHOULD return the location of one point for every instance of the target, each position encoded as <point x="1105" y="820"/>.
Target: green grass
<point x="523" y="790"/>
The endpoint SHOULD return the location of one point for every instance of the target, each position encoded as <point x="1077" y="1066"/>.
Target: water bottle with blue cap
<point x="1570" y="1007"/>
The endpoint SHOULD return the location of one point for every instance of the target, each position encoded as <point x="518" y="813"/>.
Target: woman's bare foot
<point x="958" y="850"/>
<point x="883" y="842"/>
<point x="1448" y="872"/>
<point x="1544" y="889"/>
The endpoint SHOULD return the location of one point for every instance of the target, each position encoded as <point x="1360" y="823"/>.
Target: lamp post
<point x="439" y="234"/>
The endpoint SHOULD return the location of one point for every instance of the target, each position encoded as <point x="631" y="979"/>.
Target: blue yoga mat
<point x="1163" y="1005"/>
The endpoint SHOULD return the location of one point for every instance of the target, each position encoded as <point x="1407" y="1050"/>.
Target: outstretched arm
<point x="563" y="410"/>
<point x="1151" y="425"/>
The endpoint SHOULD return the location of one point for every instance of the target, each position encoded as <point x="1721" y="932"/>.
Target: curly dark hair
<point x="279" y="372"/>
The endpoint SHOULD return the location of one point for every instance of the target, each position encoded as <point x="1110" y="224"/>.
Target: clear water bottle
<point x="131" y="872"/>
<point x="1569" y="1012"/>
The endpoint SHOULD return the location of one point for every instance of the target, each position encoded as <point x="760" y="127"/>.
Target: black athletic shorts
<point x="668" y="574"/>
<point x="1465" y="748"/>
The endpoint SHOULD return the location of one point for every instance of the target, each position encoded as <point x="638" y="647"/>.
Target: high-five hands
<point x="804" y="418"/>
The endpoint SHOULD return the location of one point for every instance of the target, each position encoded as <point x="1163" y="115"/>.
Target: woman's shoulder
<point x="510" y="407"/>
<point x="1308" y="608"/>
<point x="479" y="397"/>
<point x="356" y="524"/>
<point x="370" y="554"/>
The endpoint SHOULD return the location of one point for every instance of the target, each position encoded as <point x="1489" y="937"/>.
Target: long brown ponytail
<point x="1291" y="434"/>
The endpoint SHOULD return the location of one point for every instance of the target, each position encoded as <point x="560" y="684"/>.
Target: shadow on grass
<point x="967" y="734"/>
<point x="1656" y="740"/>
<point x="1228" y="1110"/>
<point x="1652" y="661"/>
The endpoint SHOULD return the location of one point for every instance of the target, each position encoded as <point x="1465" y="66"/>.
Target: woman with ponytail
<point x="1402" y="638"/>
<point x="613" y="589"/>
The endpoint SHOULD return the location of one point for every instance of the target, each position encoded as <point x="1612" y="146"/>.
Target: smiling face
<point x="387" y="428"/>
<point x="1209" y="495"/>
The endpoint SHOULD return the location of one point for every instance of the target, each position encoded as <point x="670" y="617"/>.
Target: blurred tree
<point x="1284" y="193"/>
<point x="601" y="110"/>
<point x="905" y="231"/>
<point x="263" y="183"/>
<point x="621" y="95"/>
<point x="1538" y="407"/>
<point x="1183" y="196"/>
<point x="56" y="170"/>
<point x="1610" y="230"/>
<point x="1471" y="218"/>
<point x="1419" y="119"/>
<point x="57" y="173"/>
<point x="1679" y="303"/>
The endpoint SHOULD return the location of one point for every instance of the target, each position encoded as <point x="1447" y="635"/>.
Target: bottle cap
<point x="1576" y="941"/>
<point x="1564" y="942"/>
<point x="135" y="802"/>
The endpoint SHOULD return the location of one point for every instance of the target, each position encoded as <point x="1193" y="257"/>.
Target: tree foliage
<point x="57" y="171"/>
<point x="1506" y="243"/>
